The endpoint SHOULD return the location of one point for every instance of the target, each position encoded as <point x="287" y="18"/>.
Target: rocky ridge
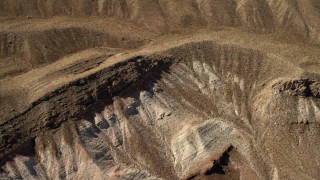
<point x="135" y="89"/>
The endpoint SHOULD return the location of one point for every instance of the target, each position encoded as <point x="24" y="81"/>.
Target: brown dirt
<point x="111" y="89"/>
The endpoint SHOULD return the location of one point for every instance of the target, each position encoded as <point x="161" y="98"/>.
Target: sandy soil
<point x="137" y="89"/>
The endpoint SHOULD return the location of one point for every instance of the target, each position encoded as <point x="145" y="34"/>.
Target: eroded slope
<point x="136" y="89"/>
<point x="300" y="18"/>
<point x="200" y="108"/>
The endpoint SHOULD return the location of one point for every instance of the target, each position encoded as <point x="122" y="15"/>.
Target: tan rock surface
<point x="137" y="89"/>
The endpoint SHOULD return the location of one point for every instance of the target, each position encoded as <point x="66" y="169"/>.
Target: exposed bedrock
<point x="301" y="87"/>
<point x="210" y="110"/>
<point x="72" y="99"/>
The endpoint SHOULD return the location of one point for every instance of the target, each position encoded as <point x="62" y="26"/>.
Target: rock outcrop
<point x="201" y="109"/>
<point x="136" y="89"/>
<point x="302" y="87"/>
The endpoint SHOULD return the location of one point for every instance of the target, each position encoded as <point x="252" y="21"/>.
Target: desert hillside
<point x="159" y="89"/>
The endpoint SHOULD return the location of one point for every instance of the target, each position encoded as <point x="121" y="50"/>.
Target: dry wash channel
<point x="199" y="110"/>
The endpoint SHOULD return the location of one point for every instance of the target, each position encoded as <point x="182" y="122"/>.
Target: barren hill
<point x="159" y="89"/>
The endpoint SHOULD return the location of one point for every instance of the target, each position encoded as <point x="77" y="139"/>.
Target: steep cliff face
<point x="213" y="109"/>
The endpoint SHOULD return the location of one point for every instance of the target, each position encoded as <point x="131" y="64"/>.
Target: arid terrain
<point x="160" y="89"/>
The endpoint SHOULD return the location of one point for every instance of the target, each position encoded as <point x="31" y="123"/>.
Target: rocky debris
<point x="220" y="168"/>
<point x="193" y="140"/>
<point x="111" y="118"/>
<point x="315" y="89"/>
<point x="146" y="95"/>
<point x="131" y="108"/>
<point x="101" y="122"/>
<point x="301" y="87"/>
<point x="157" y="89"/>
<point x="78" y="99"/>
<point x="199" y="150"/>
<point x="162" y="113"/>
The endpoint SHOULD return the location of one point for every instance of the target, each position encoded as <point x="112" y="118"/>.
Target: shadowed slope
<point x="177" y="123"/>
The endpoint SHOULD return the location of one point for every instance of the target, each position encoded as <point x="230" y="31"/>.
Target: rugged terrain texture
<point x="164" y="89"/>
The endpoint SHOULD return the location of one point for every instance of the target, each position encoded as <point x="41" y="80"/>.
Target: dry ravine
<point x="107" y="90"/>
